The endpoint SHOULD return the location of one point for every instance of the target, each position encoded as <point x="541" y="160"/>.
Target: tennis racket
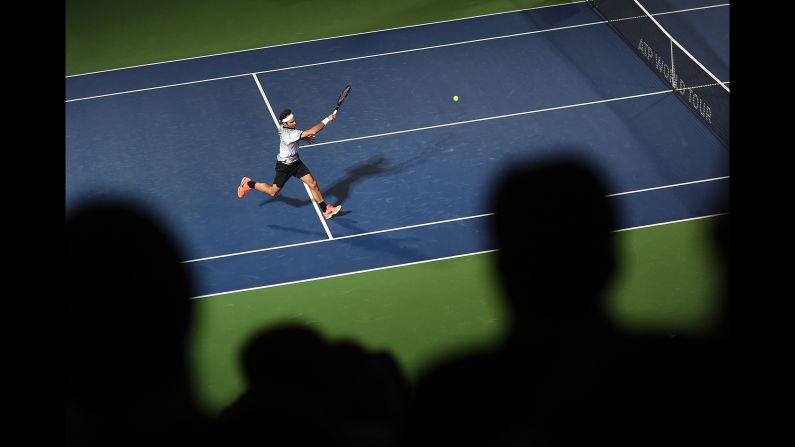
<point x="342" y="97"/>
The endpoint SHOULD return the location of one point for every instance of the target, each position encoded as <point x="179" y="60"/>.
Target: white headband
<point x="288" y="118"/>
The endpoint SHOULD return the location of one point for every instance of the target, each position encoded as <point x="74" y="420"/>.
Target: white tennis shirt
<point x="288" y="145"/>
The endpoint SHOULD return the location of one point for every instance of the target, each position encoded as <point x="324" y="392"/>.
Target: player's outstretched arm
<point x="309" y="134"/>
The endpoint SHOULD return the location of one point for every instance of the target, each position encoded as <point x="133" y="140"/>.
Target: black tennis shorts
<point x="283" y="172"/>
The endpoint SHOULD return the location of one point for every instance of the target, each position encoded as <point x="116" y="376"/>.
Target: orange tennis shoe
<point x="243" y="188"/>
<point x="331" y="210"/>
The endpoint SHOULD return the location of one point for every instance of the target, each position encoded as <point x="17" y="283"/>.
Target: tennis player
<point x="289" y="164"/>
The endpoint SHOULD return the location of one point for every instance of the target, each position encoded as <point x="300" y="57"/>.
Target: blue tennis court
<point x="412" y="168"/>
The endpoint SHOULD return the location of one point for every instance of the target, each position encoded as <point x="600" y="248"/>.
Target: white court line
<point x="667" y="186"/>
<point x="389" y="230"/>
<point x="672" y="12"/>
<point x="690" y="9"/>
<point x="369" y="233"/>
<point x="158" y="87"/>
<point x="510" y="115"/>
<point x="427" y="261"/>
<point x="276" y="123"/>
<point x="324" y="38"/>
<point x="341" y="274"/>
<point x="364" y="57"/>
<point x="267" y="103"/>
<point x="506" y="36"/>
<point x="489" y="118"/>
<point x="337" y="61"/>
<point x="671" y="222"/>
<point x="433" y="47"/>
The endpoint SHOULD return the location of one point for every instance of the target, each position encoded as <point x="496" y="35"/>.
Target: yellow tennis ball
<point x="455" y="98"/>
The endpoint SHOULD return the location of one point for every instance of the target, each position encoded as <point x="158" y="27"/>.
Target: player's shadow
<point x="341" y="189"/>
<point x="372" y="167"/>
<point x="342" y="214"/>
<point x="294" y="230"/>
<point x="293" y="202"/>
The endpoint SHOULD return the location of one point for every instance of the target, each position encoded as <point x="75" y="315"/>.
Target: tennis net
<point x="703" y="93"/>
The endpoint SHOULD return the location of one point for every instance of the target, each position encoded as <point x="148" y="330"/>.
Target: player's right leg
<point x="271" y="190"/>
<point x="246" y="185"/>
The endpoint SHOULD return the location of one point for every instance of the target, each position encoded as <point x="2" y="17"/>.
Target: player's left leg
<point x="312" y="184"/>
<point x="327" y="209"/>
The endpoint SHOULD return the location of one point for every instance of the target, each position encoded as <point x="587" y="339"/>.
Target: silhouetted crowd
<point x="565" y="374"/>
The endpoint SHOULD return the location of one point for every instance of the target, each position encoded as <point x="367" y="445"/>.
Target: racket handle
<point x="335" y="112"/>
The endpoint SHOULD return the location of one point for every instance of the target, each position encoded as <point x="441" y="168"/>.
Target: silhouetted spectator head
<point x="285" y="354"/>
<point x="305" y="391"/>
<point x="128" y="316"/>
<point x="553" y="226"/>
